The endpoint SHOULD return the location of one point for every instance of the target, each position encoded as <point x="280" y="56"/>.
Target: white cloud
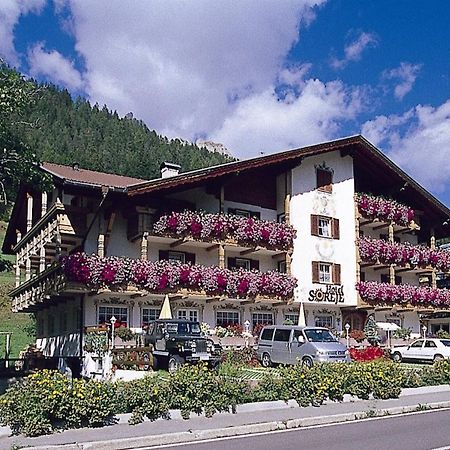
<point x="419" y="141"/>
<point x="264" y="122"/>
<point x="183" y="67"/>
<point x="10" y="12"/>
<point x="353" y="51"/>
<point x="54" y="66"/>
<point x="406" y="73"/>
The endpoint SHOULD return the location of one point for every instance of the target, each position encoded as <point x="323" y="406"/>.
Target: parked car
<point x="422" y="350"/>
<point x="177" y="342"/>
<point x="288" y="344"/>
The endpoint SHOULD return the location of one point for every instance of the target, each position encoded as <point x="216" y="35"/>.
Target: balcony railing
<point x="376" y="293"/>
<point x="384" y="210"/>
<point x="378" y="251"/>
<point x="164" y="276"/>
<point x="207" y="227"/>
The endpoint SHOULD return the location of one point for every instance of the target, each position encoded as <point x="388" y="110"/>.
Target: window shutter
<point x="336" y="274"/>
<point x="335" y="228"/>
<point x="314" y="225"/>
<point x="189" y="257"/>
<point x="163" y="255"/>
<point x="231" y="262"/>
<point x="315" y="272"/>
<point x="324" y="180"/>
<point x="254" y="264"/>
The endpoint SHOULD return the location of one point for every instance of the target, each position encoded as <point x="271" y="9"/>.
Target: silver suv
<point x="287" y="344"/>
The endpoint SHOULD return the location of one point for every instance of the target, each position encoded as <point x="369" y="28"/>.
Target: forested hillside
<point x="66" y="131"/>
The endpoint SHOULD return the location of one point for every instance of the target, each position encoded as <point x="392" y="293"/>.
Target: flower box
<point x="163" y="276"/>
<point x="386" y="210"/>
<point x="226" y="227"/>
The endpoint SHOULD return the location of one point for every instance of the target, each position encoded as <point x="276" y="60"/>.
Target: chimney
<point x="169" y="169"/>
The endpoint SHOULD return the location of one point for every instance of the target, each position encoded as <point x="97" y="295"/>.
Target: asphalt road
<point x="420" y="431"/>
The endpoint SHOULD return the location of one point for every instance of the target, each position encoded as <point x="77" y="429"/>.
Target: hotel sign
<point x="331" y="294"/>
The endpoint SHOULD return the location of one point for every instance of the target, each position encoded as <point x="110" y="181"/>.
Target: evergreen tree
<point x="371" y="331"/>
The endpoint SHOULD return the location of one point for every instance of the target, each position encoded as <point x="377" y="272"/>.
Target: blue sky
<point x="257" y="76"/>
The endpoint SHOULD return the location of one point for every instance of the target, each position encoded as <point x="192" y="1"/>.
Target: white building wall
<point x="307" y="200"/>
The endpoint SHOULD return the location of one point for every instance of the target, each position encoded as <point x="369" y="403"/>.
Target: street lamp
<point x="347" y="328"/>
<point x="113" y="321"/>
<point x="246" y="333"/>
<point x="424" y="329"/>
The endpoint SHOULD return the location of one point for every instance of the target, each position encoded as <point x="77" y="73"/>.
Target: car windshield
<point x="319" y="336"/>
<point x="446" y="342"/>
<point x="183" y="328"/>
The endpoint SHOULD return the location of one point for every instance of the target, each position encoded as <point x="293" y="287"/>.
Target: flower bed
<point x="380" y="251"/>
<point x="374" y="292"/>
<point x="165" y="276"/>
<point x="383" y="209"/>
<point x="245" y="230"/>
<point x="366" y="354"/>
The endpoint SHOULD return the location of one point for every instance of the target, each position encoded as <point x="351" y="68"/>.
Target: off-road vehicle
<point x="177" y="342"/>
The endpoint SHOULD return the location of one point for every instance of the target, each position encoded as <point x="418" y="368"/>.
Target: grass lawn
<point x="15" y="323"/>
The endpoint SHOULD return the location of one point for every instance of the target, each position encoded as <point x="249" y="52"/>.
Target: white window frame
<point x="261" y="317"/>
<point x="324" y="320"/>
<point x="324" y="227"/>
<point x="229" y="322"/>
<point x="145" y="311"/>
<point x="293" y="317"/>
<point x="325" y="276"/>
<point x="114" y="311"/>
<point x="190" y="314"/>
<point x="176" y="256"/>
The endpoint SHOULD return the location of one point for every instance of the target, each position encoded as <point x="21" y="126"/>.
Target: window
<point x="324" y="180"/>
<point x="188" y="314"/>
<point x="119" y="312"/>
<point x="417" y="344"/>
<point x="267" y="334"/>
<point x="324" y="226"/>
<point x="225" y="318"/>
<point x="430" y="344"/>
<point x="323" y="272"/>
<point x="244" y="213"/>
<point x="282" y="335"/>
<point x="242" y="263"/>
<point x="176" y="256"/>
<point x="181" y="257"/>
<point x="263" y="318"/>
<point x="282" y="266"/>
<point x="362" y="276"/>
<point x="281" y="218"/>
<point x="384" y="278"/>
<point x="149" y="315"/>
<point x="324" y="321"/>
<point x="291" y="317"/>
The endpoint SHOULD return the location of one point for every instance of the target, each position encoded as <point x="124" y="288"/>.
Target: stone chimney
<point x="169" y="169"/>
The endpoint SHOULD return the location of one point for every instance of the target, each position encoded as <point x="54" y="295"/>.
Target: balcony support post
<point x="221" y="256"/>
<point x="358" y="257"/>
<point x="44" y="204"/>
<point x="42" y="254"/>
<point x="287" y="198"/>
<point x="392" y="266"/>
<point x="433" y="247"/>
<point x="29" y="212"/>
<point x="27" y="269"/>
<point x="222" y="200"/>
<point x="144" y="247"/>
<point x="101" y="245"/>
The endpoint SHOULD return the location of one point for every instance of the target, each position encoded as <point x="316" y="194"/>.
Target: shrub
<point x="402" y="333"/>
<point x="245" y="357"/>
<point x="47" y="400"/>
<point x="124" y="333"/>
<point x="357" y="335"/>
<point x="442" y="334"/>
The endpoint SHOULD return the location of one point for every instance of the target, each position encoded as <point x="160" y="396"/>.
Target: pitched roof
<point x="90" y="177"/>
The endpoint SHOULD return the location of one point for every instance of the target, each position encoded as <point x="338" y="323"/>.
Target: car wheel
<point x="397" y="357"/>
<point x="307" y="362"/>
<point x="437" y="358"/>
<point x="265" y="360"/>
<point x="174" y="363"/>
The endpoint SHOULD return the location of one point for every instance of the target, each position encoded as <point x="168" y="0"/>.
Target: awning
<point x="387" y="326"/>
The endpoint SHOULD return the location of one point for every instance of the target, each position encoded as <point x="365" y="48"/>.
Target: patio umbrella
<point x="301" y="316"/>
<point x="166" y="312"/>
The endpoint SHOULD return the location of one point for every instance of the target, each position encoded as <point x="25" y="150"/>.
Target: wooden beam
<point x="246" y="302"/>
<point x="212" y="299"/>
<point x="401" y="230"/>
<point x="177" y="243"/>
<point x="404" y="269"/>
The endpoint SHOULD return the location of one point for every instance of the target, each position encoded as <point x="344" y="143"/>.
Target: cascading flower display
<point x="165" y="276"/>
<point x="401" y="254"/>
<point x="245" y="230"/>
<point x="384" y="293"/>
<point x="383" y="209"/>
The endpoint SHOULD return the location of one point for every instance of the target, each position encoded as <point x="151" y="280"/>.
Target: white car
<point x="423" y="350"/>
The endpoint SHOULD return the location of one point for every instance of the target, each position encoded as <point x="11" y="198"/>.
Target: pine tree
<point x="371" y="331"/>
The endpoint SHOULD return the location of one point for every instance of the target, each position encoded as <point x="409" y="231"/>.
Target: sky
<point x="258" y="76"/>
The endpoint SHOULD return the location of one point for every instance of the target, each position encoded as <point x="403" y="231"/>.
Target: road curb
<point x="241" y="430"/>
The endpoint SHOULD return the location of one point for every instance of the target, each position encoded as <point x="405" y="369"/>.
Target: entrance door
<point x="356" y="319"/>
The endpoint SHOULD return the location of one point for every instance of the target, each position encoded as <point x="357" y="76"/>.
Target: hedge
<point x="47" y="401"/>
